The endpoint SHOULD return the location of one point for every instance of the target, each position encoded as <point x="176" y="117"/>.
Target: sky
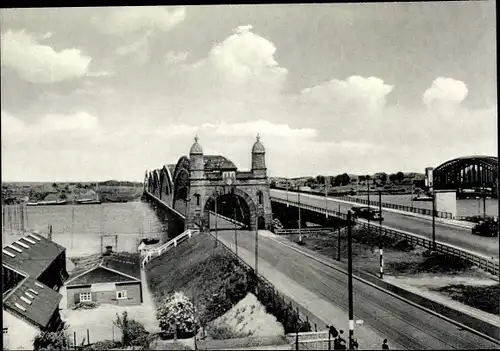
<point x="107" y="93"/>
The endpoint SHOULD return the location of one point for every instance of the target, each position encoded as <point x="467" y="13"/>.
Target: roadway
<point x="322" y="292"/>
<point x="447" y="234"/>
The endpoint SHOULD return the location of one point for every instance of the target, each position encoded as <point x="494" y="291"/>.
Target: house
<point x="111" y="277"/>
<point x="33" y="270"/>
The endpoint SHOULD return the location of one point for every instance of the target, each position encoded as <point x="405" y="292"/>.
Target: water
<point x="465" y="207"/>
<point x="79" y="228"/>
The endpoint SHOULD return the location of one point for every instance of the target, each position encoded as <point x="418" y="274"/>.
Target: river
<point x="79" y="228"/>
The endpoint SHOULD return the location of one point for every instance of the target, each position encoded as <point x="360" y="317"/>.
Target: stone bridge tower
<point x="212" y="176"/>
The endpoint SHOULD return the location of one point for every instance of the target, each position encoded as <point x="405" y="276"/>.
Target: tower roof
<point x="196" y="148"/>
<point x="258" y="148"/>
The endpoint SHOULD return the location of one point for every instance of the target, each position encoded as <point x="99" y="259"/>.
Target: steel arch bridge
<point x="468" y="175"/>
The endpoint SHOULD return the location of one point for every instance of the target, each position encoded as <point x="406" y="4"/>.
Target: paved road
<point x="322" y="291"/>
<point x="447" y="234"/>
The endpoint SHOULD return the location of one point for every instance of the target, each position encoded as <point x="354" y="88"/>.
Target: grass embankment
<point x="208" y="275"/>
<point x="404" y="259"/>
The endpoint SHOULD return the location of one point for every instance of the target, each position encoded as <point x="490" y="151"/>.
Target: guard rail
<point x="150" y="254"/>
<point x="482" y="262"/>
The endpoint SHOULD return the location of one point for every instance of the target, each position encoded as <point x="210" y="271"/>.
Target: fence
<point x="274" y="302"/>
<point x="405" y="208"/>
<point x="320" y="340"/>
<point x="482" y="262"/>
<point x="150" y="254"/>
<point x="303" y="231"/>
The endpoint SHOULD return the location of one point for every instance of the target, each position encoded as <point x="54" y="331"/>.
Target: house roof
<point x="216" y="162"/>
<point x="32" y="254"/>
<point x="37" y="304"/>
<point x="124" y="263"/>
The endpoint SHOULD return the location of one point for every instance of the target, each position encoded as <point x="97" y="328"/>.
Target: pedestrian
<point x="355" y="345"/>
<point x="384" y="345"/>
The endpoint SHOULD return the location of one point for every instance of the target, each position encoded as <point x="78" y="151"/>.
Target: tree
<point x="383" y="177"/>
<point x="133" y="332"/>
<point x="63" y="197"/>
<point x="361" y="178"/>
<point x="273" y="184"/>
<point x="393" y="178"/>
<point x="59" y="340"/>
<point x="177" y="313"/>
<point x="320" y="179"/>
<point x="338" y="180"/>
<point x="55" y="186"/>
<point x="345" y="179"/>
<point x="400" y="176"/>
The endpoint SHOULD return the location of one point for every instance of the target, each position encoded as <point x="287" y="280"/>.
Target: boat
<point x="95" y="201"/>
<point x="47" y="203"/>
<point x="422" y="198"/>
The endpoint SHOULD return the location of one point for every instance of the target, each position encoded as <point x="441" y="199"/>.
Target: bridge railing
<point x="423" y="211"/>
<point x="482" y="262"/>
<point x="303" y="231"/>
<point x="157" y="252"/>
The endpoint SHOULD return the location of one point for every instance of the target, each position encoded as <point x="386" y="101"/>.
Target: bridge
<point x="208" y="192"/>
<point x="470" y="176"/>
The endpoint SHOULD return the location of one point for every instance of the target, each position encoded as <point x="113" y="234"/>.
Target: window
<point x="260" y="197"/>
<point x="5" y="330"/>
<point x="197" y="196"/>
<point x="85" y="297"/>
<point x="120" y="295"/>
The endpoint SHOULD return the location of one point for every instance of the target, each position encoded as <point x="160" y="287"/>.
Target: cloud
<point x="41" y="64"/>
<point x="445" y="90"/>
<point x="139" y="49"/>
<point x="99" y="74"/>
<point x="244" y="62"/>
<point x="175" y="57"/>
<point x="127" y="20"/>
<point x="366" y="94"/>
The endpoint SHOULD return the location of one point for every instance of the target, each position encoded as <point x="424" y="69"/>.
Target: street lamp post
<point x="349" y="282"/>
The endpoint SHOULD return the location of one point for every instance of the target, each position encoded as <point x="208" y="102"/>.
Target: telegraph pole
<point x="326" y="196"/>
<point x="235" y="233"/>
<point x="256" y="246"/>
<point x="216" y="235"/>
<point x="381" y="246"/>
<point x="338" y="244"/>
<point x="300" y="220"/>
<point x="433" y="219"/>
<point x="349" y="270"/>
<point x="368" y="188"/>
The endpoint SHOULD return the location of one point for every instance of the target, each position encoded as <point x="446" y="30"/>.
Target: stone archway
<point x="252" y="208"/>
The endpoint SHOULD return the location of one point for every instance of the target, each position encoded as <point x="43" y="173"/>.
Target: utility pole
<point x="368" y="188"/>
<point x="484" y="202"/>
<point x="235" y="232"/>
<point x="338" y="244"/>
<point x="381" y="246"/>
<point x="286" y="192"/>
<point x="433" y="219"/>
<point x="216" y="235"/>
<point x="411" y="199"/>
<point x="256" y="246"/>
<point x="300" y="220"/>
<point x="326" y="196"/>
<point x="349" y="270"/>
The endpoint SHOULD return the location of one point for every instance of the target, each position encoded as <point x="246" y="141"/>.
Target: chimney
<point x="109" y="250"/>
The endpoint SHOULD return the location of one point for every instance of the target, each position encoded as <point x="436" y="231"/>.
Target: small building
<point x="111" y="277"/>
<point x="33" y="270"/>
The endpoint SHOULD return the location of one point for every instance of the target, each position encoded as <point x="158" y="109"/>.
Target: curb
<point x="485" y="336"/>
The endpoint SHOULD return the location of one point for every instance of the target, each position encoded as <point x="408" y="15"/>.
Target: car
<point x="367" y="213"/>
<point x="487" y="227"/>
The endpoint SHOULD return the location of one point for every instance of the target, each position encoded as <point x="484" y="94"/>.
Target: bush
<point x="59" y="340"/>
<point x="86" y="305"/>
<point x="223" y="331"/>
<point x="133" y="332"/>
<point x="103" y="345"/>
<point x="176" y="313"/>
